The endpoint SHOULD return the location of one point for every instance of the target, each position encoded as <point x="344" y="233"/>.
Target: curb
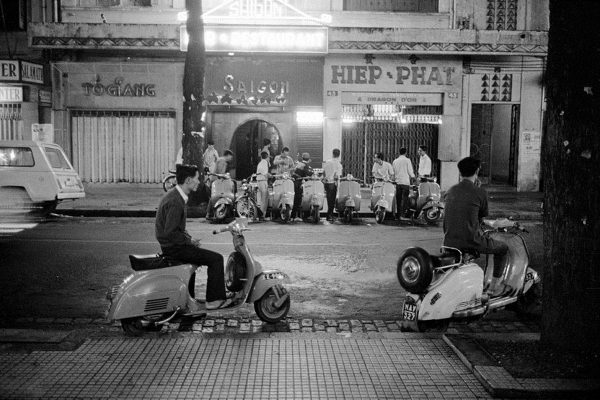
<point x="500" y="383"/>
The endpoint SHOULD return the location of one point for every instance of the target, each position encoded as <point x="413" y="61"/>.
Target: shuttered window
<point x="11" y="122"/>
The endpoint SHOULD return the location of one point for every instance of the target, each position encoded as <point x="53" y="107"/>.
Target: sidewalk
<point x="141" y="200"/>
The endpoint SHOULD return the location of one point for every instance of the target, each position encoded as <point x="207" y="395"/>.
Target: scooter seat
<point x="148" y="262"/>
<point x="444" y="260"/>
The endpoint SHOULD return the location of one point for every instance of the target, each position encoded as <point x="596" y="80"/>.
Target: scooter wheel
<point x="235" y="272"/>
<point x="348" y="215"/>
<point x="285" y="213"/>
<point x="134" y="327"/>
<point x="169" y="182"/>
<point x="221" y="212"/>
<point x="415" y="270"/>
<point x="267" y="311"/>
<point x="380" y="215"/>
<point x="315" y="215"/>
<point x="432" y="215"/>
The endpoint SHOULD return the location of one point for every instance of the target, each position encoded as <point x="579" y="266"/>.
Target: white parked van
<point x="36" y="175"/>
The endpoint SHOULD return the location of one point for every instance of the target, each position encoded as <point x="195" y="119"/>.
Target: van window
<point x="16" y="157"/>
<point x="56" y="158"/>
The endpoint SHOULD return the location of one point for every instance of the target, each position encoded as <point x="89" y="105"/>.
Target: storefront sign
<point x="401" y="74"/>
<point x="21" y="71"/>
<point x="251" y="92"/>
<point x="118" y="89"/>
<point x="420" y="119"/>
<point x="408" y="99"/>
<point x="264" y="39"/>
<point x="11" y="94"/>
<point x="45" y="97"/>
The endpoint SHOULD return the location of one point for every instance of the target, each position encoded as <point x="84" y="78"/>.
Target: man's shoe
<point x="213" y="305"/>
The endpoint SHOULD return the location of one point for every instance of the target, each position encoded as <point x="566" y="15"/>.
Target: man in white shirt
<point x="210" y="156"/>
<point x="332" y="170"/>
<point x="424" y="163"/>
<point x="403" y="173"/>
<point x="382" y="169"/>
<point x="284" y="162"/>
<point x="262" y="177"/>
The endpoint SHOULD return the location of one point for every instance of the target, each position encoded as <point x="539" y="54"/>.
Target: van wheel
<point x="134" y="327"/>
<point x="49" y="207"/>
<point x="415" y="270"/>
<point x="15" y="199"/>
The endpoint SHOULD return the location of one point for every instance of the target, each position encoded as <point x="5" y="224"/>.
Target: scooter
<point x="169" y="181"/>
<point x="313" y="197"/>
<point x="221" y="197"/>
<point x="281" y="198"/>
<point x="245" y="199"/>
<point x="425" y="201"/>
<point x="383" y="194"/>
<point x="450" y="287"/>
<point x="158" y="291"/>
<point x="347" y="201"/>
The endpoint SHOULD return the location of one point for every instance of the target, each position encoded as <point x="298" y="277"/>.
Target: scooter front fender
<point x="223" y="200"/>
<point x="264" y="281"/>
<point x="383" y="203"/>
<point x="151" y="292"/>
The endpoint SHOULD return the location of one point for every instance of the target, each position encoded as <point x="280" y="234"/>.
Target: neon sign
<point x="265" y="39"/>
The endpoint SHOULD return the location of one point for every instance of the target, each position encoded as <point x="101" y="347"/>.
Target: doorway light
<point x="309" y="117"/>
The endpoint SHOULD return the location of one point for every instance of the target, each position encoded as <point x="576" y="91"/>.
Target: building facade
<point x="462" y="77"/>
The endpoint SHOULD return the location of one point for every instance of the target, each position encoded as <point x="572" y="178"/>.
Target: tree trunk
<point x="571" y="171"/>
<point x="193" y="97"/>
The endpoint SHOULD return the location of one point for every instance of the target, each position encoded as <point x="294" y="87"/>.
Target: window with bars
<point x="423" y="6"/>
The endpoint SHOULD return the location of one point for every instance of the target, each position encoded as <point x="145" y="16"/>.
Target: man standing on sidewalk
<point x="332" y="171"/>
<point x="262" y="177"/>
<point x="424" y="163"/>
<point x="403" y="173"/>
<point x="176" y="242"/>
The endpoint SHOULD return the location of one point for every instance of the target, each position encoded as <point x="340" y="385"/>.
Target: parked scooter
<point x="221" y="197"/>
<point x="451" y="286"/>
<point x="347" y="201"/>
<point x="425" y="202"/>
<point x="281" y="199"/>
<point x="158" y="292"/>
<point x="245" y="199"/>
<point x="383" y="194"/>
<point x="313" y="197"/>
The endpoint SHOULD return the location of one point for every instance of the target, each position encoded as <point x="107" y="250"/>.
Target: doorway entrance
<point x="494" y="141"/>
<point x="246" y="143"/>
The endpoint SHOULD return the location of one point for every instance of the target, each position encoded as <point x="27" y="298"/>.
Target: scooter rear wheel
<point x="221" y="212"/>
<point x="267" y="311"/>
<point x="315" y="214"/>
<point x="432" y="215"/>
<point x="285" y="213"/>
<point x="380" y="215"/>
<point x="169" y="182"/>
<point x="134" y="327"/>
<point x="348" y="215"/>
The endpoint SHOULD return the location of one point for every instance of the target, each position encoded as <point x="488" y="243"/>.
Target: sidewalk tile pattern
<point x="196" y="367"/>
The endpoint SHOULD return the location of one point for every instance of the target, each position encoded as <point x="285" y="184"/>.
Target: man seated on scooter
<point x="302" y="170"/>
<point x="176" y="242"/>
<point x="466" y="206"/>
<point x="381" y="168"/>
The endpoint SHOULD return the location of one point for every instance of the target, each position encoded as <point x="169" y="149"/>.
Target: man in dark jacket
<point x="176" y="242"/>
<point x="302" y="170"/>
<point x="466" y="206"/>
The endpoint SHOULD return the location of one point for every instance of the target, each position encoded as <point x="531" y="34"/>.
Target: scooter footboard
<point x="265" y="281"/>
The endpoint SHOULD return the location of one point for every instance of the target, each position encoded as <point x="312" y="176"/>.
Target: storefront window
<point x="424" y="6"/>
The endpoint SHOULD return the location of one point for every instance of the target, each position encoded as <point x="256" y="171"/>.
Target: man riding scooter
<point x="176" y="243"/>
<point x="466" y="206"/>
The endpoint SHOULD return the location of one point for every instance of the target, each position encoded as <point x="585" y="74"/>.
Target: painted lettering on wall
<point x="117" y="89"/>
<point x="370" y="74"/>
<point x="251" y="92"/>
<point x="251" y="86"/>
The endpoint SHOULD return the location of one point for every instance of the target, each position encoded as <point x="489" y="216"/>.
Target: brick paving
<point x="268" y="366"/>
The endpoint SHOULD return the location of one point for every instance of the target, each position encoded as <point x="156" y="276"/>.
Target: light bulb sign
<point x="261" y="39"/>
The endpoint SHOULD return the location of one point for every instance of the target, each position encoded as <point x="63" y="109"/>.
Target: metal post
<point x="366" y="124"/>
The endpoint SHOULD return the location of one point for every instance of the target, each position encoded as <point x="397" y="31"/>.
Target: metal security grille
<point x="11" y="122"/>
<point x="361" y="140"/>
<point x="310" y="140"/>
<point x="123" y="146"/>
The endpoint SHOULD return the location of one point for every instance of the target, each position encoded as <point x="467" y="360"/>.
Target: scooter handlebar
<point x="221" y="230"/>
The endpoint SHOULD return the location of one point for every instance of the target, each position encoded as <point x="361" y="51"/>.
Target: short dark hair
<point x="402" y="150"/>
<point x="380" y="156"/>
<point x="336" y="152"/>
<point x="285" y="149"/>
<point x="266" y="141"/>
<point x="228" y="153"/>
<point x="468" y="166"/>
<point x="210" y="143"/>
<point x="424" y="148"/>
<point x="184" y="171"/>
<point x="264" y="155"/>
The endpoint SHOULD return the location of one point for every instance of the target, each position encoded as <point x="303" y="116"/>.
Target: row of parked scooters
<point x="424" y="200"/>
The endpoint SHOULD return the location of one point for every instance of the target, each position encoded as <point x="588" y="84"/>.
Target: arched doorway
<point x="248" y="140"/>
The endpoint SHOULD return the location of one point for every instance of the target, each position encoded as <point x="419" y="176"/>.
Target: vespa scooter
<point x="221" y="197"/>
<point x="347" y="201"/>
<point x="450" y="287"/>
<point x="425" y="202"/>
<point x="281" y="199"/>
<point x="158" y="291"/>
<point x="313" y="197"/>
<point x="383" y="194"/>
<point x="245" y="199"/>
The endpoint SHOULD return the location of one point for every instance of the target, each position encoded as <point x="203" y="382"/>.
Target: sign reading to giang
<point x="118" y="88"/>
<point x="401" y="75"/>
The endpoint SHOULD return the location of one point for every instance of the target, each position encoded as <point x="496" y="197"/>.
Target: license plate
<point x="409" y="312"/>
